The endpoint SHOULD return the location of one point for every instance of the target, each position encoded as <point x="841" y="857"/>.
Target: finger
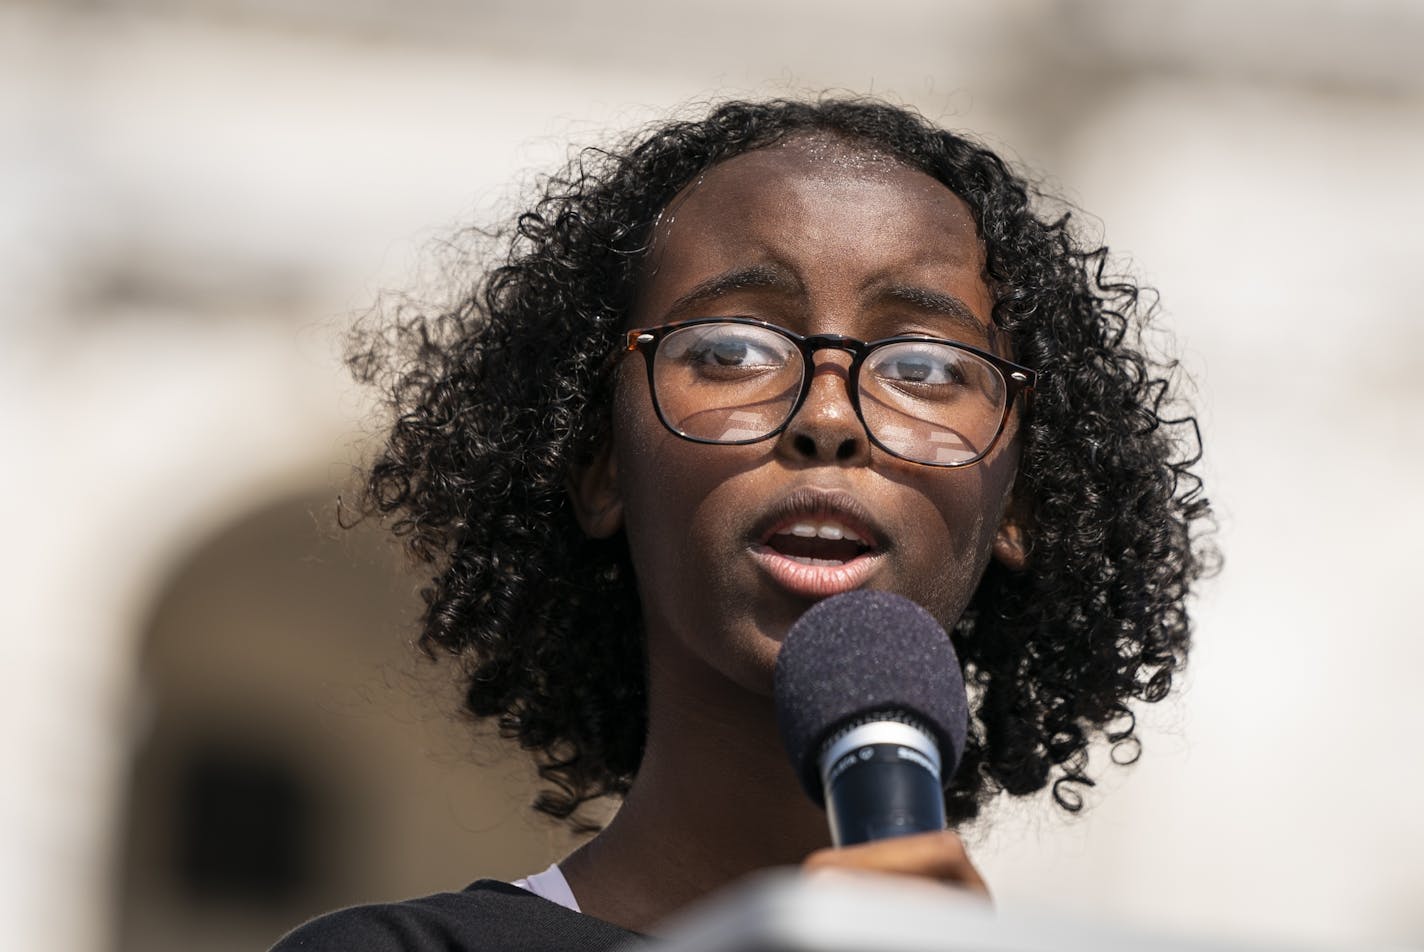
<point x="938" y="855"/>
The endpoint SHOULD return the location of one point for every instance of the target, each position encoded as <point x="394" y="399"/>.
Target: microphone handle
<point x="881" y="779"/>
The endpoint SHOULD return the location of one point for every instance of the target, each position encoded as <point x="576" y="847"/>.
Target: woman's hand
<point x="938" y="856"/>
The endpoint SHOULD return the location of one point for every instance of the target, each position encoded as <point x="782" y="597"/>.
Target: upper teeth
<point x="822" y="530"/>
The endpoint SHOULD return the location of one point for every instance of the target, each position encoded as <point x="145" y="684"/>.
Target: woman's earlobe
<point x="594" y="493"/>
<point x="1011" y="544"/>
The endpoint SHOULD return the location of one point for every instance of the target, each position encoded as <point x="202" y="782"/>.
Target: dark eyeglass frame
<point x="1017" y="379"/>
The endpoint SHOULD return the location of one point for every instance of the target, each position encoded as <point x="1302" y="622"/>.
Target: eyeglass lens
<point x="734" y="383"/>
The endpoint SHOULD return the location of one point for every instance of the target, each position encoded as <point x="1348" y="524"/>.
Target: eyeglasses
<point x="734" y="380"/>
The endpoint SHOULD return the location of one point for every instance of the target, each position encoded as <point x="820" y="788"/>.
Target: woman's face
<point x="818" y="237"/>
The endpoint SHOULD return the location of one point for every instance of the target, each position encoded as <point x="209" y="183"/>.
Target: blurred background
<point x="214" y="722"/>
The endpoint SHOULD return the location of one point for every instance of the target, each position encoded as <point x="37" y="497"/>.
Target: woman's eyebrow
<point x="935" y="302"/>
<point x="750" y="277"/>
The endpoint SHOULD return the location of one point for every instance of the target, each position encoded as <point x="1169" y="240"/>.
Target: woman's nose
<point x="826" y="428"/>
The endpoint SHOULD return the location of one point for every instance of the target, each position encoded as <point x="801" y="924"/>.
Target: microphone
<point x="872" y="709"/>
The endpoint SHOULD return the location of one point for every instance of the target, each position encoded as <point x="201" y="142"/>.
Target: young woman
<point x="739" y="365"/>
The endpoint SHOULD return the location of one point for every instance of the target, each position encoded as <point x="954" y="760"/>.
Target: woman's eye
<point x="733" y="350"/>
<point x="729" y="352"/>
<point x="915" y="371"/>
<point x="920" y="369"/>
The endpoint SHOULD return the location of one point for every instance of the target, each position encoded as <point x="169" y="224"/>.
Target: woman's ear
<point x="1011" y="538"/>
<point x="1010" y="546"/>
<point x="593" y="491"/>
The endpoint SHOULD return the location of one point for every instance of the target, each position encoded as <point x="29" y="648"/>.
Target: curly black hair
<point x="499" y="395"/>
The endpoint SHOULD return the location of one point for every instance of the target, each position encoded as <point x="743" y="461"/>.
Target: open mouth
<point x="814" y="544"/>
<point x="817" y="543"/>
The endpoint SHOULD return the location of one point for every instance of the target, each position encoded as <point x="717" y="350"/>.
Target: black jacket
<point x="486" y="916"/>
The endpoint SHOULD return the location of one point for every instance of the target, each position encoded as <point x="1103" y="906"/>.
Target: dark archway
<point x="296" y="754"/>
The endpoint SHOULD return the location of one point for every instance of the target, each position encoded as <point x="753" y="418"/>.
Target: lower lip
<point x="815" y="581"/>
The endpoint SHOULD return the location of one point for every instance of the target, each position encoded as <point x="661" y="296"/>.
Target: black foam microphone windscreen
<point x="863" y="653"/>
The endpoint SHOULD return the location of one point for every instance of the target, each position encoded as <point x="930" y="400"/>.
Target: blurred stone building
<point x="215" y="723"/>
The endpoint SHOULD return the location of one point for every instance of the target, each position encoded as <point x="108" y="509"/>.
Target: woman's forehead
<point x="822" y="209"/>
<point x="824" y="174"/>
